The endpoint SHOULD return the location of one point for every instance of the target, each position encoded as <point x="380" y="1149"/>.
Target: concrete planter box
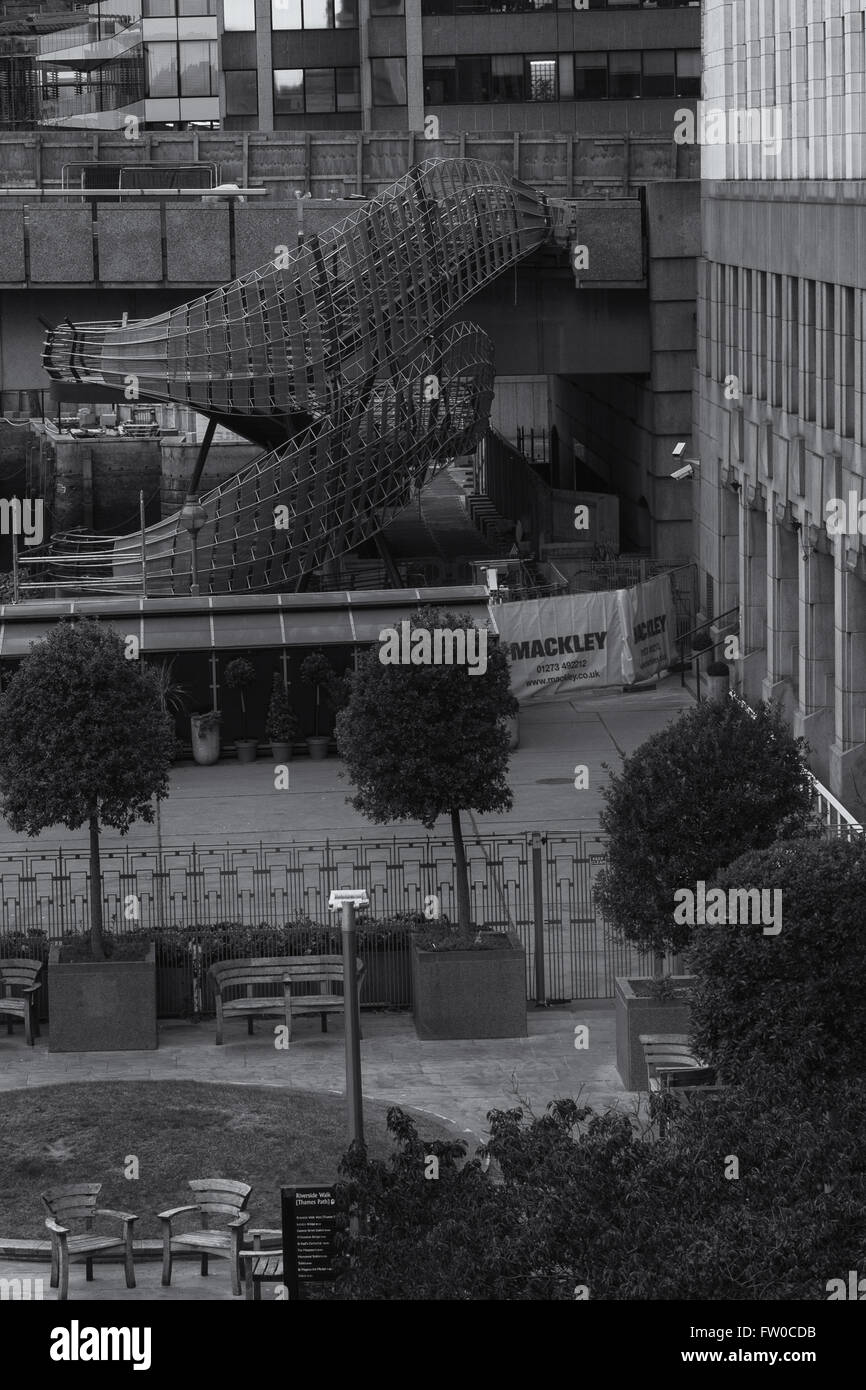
<point x="640" y="1013"/>
<point x="102" y="1006"/>
<point x="470" y="994"/>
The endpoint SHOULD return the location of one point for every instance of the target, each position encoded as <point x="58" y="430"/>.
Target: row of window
<point x="240" y="15"/>
<point x="302" y="91"/>
<point x="182" y="69"/>
<point x="620" y="76"/>
<point x="786" y="340"/>
<point x="463" y="7"/>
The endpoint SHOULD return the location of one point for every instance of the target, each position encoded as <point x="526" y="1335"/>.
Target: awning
<point x="231" y="622"/>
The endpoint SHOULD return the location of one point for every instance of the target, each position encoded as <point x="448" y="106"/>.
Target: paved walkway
<point x="236" y="803"/>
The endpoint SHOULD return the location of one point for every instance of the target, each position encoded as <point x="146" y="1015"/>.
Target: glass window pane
<point x="624" y="75"/>
<point x="318" y="14"/>
<point x="473" y="79"/>
<point x="346" y="14"/>
<point x="319" y="89"/>
<point x="658" y="73"/>
<point x="157" y="9"/>
<point x="440" y="82"/>
<point x="389" y="81"/>
<point x="348" y="89"/>
<point x="242" y="97"/>
<point x="542" y="79"/>
<point x="152" y="30"/>
<point x="506" y="78"/>
<point x="162" y="69"/>
<point x="190" y="7"/>
<point x="286" y="14"/>
<point x="688" y="72"/>
<point x="436" y="7"/>
<point x="239" y="15"/>
<point x="386" y="7"/>
<point x="590" y="76"/>
<point x="288" y="91"/>
<point x="196" y="69"/>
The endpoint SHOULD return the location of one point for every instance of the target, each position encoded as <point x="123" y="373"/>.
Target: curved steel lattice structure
<point x="336" y="358"/>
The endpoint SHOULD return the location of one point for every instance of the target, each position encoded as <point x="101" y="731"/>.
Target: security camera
<point x="685" y="472"/>
<point x="678" y="449"/>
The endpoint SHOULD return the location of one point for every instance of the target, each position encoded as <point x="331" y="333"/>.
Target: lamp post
<point x="345" y="901"/>
<point x="193" y="517"/>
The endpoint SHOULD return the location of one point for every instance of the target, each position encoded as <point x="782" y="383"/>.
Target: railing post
<point x="538" y="920"/>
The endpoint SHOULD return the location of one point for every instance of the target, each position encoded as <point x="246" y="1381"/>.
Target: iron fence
<point x="206" y="902"/>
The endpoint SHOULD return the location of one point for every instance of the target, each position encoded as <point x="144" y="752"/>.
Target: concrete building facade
<point x="780" y="407"/>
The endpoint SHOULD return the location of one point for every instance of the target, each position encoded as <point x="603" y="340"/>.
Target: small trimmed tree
<point x="792" y="998"/>
<point x="429" y="740"/>
<point x="84" y="740"/>
<point x="716" y="782"/>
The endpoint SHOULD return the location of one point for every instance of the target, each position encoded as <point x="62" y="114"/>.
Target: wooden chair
<point x="214" y="1197"/>
<point x="672" y="1067"/>
<point x="18" y="991"/>
<point x="77" y="1202"/>
<point x="261" y="979"/>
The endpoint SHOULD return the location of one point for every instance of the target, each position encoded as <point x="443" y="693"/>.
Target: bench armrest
<point x="126" y="1217"/>
<point x="239" y="1221"/>
<point x="175" y="1211"/>
<point x="258" y="1234"/>
<point x="55" y="1228"/>
<point x="31" y="989"/>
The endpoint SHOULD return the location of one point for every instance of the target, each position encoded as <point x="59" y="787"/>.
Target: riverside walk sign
<point x="558" y="646"/>
<point x="309" y="1218"/>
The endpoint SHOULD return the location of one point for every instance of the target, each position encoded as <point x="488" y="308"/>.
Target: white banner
<point x="557" y="646"/>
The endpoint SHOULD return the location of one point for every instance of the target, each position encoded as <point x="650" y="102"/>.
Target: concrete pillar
<point x="780" y="682"/>
<point x="265" y="65"/>
<point x="848" y="752"/>
<point x="753" y="595"/>
<point x="813" y="717"/>
<point x="414" y="68"/>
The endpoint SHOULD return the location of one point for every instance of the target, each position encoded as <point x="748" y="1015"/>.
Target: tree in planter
<point x="425" y="741"/>
<point x="795" y="997"/>
<point x="240" y="674"/>
<point x="716" y="782"/>
<point x="282" y="722"/>
<point x="316" y="670"/>
<point x="83" y="741"/>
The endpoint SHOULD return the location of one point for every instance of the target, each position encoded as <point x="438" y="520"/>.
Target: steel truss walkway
<point x="336" y="358"/>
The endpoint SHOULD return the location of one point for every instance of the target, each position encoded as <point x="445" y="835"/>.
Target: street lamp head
<point x="193" y="515"/>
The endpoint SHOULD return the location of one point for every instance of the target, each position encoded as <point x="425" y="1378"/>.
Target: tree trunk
<point x="464" y="911"/>
<point x="96" y="947"/>
<point x="658" y="964"/>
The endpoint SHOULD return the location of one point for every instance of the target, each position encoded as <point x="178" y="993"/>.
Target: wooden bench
<point x="268" y="989"/>
<point x="18" y="990"/>
<point x="672" y="1067"/>
<point x="263" y="1263"/>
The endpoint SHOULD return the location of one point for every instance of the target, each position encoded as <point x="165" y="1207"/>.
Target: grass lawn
<point x="177" y="1130"/>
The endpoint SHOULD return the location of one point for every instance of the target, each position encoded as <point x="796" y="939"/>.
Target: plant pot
<point x="246" y="750"/>
<point x="281" y="752"/>
<point x="102" y="1005"/>
<point x="641" y="1013"/>
<point x="470" y="994"/>
<point x="318" y="747"/>
<point x="205" y="742"/>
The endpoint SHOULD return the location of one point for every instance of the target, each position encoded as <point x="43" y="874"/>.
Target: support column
<point x="814" y="717"/>
<point x="781" y="680"/>
<point x="753" y="595"/>
<point x="848" y="753"/>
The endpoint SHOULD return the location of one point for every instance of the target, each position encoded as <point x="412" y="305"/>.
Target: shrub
<point x="282" y="722"/>
<point x="795" y="998"/>
<point x="688" y="801"/>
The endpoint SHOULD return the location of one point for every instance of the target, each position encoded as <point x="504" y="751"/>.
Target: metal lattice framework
<point x="336" y="358"/>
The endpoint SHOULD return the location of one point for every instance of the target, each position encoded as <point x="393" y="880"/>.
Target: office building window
<point x="506" y="77"/>
<point x="440" y="81"/>
<point x="389" y="81"/>
<point x="688" y="72"/>
<point x="624" y="70"/>
<point x="196" y="7"/>
<point x="242" y="97"/>
<point x="541" y="79"/>
<point x="659" y="73"/>
<point x="239" y="15"/>
<point x="590" y="76"/>
<point x="161" y="69"/>
<point x="157" y="9"/>
<point x="198" y="67"/>
<point x="348" y="89"/>
<point x="314" y="14"/>
<point x="473" y="79"/>
<point x="297" y="90"/>
<point x="387" y="7"/>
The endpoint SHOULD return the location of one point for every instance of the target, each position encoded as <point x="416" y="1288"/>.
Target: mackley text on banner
<point x="649" y="621"/>
<point x="559" y="645"/>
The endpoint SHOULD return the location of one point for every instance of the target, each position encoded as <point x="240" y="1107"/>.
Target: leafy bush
<point x="796" y="998"/>
<point x="282" y="722"/>
<point x="574" y="1198"/>
<point x="688" y="801"/>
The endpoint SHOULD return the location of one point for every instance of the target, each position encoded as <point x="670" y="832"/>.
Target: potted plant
<point x="282" y="722"/>
<point x="205" y="733"/>
<point x="316" y="670"/>
<point x="719" y="780"/>
<point x="468" y="984"/>
<point x="85" y="741"/>
<point x="173" y="696"/>
<point x="240" y="674"/>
